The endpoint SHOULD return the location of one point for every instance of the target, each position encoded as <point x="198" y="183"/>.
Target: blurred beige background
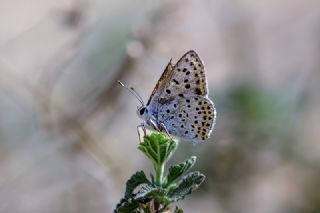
<point x="68" y="139"/>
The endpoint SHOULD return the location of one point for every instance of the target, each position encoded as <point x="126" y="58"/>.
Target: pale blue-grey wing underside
<point x="191" y="118"/>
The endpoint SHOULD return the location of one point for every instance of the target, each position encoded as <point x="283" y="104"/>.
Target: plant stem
<point x="147" y="208"/>
<point x="159" y="173"/>
<point x="156" y="206"/>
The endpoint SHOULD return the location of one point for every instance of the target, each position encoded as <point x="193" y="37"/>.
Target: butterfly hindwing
<point x="191" y="118"/>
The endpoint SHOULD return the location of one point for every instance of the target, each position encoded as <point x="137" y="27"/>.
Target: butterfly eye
<point x="142" y="110"/>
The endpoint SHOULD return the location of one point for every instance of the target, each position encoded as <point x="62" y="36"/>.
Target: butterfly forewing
<point x="161" y="84"/>
<point x="188" y="76"/>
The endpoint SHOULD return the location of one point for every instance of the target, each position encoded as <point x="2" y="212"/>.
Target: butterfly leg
<point x="160" y="128"/>
<point x="163" y="127"/>
<point x="139" y="136"/>
<point x="154" y="125"/>
<point x="142" y="126"/>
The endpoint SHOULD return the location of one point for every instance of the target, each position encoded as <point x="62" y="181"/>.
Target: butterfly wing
<point x="191" y="118"/>
<point x="179" y="100"/>
<point x="186" y="77"/>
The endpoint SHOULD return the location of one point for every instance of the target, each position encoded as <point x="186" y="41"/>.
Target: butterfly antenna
<point x="138" y="95"/>
<point x="132" y="91"/>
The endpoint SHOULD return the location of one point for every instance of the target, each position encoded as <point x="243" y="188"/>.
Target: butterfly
<point x="179" y="104"/>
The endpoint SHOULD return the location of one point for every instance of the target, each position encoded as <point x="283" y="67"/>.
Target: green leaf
<point x="158" y="148"/>
<point x="187" y="184"/>
<point x="176" y="171"/>
<point x="148" y="192"/>
<point x="127" y="205"/>
<point x="171" y="148"/>
<point x="135" y="180"/>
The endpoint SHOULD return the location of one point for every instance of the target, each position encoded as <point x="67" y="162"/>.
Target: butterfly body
<point x="179" y="104"/>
